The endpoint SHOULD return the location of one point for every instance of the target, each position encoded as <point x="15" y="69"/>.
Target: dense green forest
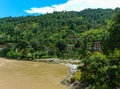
<point x="53" y="35"/>
<point x="91" y="35"/>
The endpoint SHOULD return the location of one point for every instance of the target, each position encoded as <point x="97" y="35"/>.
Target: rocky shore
<point x="59" y="61"/>
<point x="72" y="65"/>
<point x="67" y="81"/>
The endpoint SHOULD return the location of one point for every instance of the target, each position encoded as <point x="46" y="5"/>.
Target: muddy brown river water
<point x="31" y="75"/>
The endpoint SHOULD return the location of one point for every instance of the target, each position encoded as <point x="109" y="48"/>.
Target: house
<point x="97" y="46"/>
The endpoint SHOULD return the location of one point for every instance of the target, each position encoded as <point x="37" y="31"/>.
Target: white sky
<point x="75" y="5"/>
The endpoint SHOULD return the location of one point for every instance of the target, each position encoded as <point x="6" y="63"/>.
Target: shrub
<point x="101" y="72"/>
<point x="76" y="76"/>
<point x="114" y="69"/>
<point x="94" y="70"/>
<point x="13" y="54"/>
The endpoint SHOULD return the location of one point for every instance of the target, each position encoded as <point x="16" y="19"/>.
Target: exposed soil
<point x="31" y="75"/>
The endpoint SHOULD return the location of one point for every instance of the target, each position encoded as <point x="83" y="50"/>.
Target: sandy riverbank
<point x="31" y="75"/>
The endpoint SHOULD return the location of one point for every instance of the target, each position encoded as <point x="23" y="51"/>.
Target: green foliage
<point x="13" y="54"/>
<point x="99" y="17"/>
<point x="69" y="35"/>
<point x="93" y="70"/>
<point x="113" y="41"/>
<point x="61" y="45"/>
<point x="94" y="34"/>
<point x="76" y="76"/>
<point x="22" y="44"/>
<point x="114" y="69"/>
<point x="52" y="33"/>
<point x="115" y="57"/>
<point x="101" y="72"/>
<point x="88" y="39"/>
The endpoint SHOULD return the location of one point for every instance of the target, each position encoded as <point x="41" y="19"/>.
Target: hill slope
<point x="50" y="33"/>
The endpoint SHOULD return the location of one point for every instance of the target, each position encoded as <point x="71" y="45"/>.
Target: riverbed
<point x="16" y="74"/>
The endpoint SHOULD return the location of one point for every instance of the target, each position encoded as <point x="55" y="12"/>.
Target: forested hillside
<point x="53" y="35"/>
<point x="91" y="35"/>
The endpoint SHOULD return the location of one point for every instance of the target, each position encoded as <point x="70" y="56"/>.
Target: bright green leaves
<point x="101" y="72"/>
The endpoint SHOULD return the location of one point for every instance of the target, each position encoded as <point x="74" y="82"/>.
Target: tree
<point x="22" y="44"/>
<point x="61" y="45"/>
<point x="114" y="69"/>
<point x="31" y="34"/>
<point x="77" y="45"/>
<point x="101" y="72"/>
<point x="113" y="41"/>
<point x="34" y="43"/>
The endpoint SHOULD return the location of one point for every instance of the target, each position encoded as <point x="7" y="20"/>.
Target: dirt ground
<point x="31" y="75"/>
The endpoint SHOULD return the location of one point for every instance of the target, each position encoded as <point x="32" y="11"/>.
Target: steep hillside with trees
<point x="102" y="71"/>
<point x="92" y="35"/>
<point x="113" y="41"/>
<point x="53" y="35"/>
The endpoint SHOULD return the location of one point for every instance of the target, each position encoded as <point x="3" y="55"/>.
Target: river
<point x="16" y="74"/>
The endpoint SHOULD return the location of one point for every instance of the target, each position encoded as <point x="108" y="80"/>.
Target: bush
<point x="13" y="54"/>
<point x="76" y="76"/>
<point x="115" y="57"/>
<point x="101" y="72"/>
<point x="4" y="52"/>
<point x="114" y="69"/>
<point x="94" y="70"/>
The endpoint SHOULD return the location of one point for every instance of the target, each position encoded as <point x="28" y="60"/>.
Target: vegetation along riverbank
<point x="92" y="36"/>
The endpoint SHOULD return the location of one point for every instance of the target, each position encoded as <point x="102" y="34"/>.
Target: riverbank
<point x="31" y="75"/>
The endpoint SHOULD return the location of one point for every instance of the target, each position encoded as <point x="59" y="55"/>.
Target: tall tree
<point x="113" y="41"/>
